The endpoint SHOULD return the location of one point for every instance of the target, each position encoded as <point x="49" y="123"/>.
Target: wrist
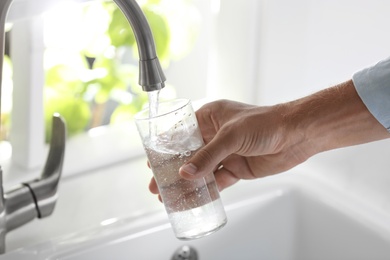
<point x="297" y="130"/>
<point x="333" y="118"/>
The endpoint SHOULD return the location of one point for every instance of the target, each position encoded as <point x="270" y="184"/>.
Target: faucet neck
<point x="151" y="76"/>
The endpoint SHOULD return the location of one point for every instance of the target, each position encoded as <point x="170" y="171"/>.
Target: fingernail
<point x="190" y="168"/>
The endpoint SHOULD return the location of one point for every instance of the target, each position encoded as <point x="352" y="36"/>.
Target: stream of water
<point x="153" y="111"/>
<point x="153" y="103"/>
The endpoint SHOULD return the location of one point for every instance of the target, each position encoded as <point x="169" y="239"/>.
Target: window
<point x="219" y="62"/>
<point x="53" y="51"/>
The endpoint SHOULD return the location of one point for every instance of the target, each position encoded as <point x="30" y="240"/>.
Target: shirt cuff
<point x="373" y="86"/>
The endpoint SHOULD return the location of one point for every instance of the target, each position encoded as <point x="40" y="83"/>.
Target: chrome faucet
<point x="37" y="198"/>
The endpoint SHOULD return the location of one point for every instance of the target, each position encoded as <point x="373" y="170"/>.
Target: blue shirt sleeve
<point x="373" y="86"/>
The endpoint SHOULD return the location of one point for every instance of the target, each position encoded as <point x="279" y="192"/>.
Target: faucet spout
<point x="151" y="75"/>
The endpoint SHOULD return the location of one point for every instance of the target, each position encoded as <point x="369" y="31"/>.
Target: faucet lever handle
<point x="44" y="189"/>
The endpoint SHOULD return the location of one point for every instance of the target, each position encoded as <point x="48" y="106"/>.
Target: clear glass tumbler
<point x="170" y="138"/>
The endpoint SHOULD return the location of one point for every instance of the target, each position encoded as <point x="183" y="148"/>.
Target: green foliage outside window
<point x="6" y="98"/>
<point x="101" y="65"/>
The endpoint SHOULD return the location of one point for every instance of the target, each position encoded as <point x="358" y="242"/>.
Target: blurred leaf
<point x="5" y="125"/>
<point x="120" y="31"/>
<point x="126" y="112"/>
<point x="123" y="113"/>
<point x="111" y="80"/>
<point x="160" y="30"/>
<point x="64" y="79"/>
<point x="154" y="2"/>
<point x="7" y="67"/>
<point x="75" y="111"/>
<point x="6" y="98"/>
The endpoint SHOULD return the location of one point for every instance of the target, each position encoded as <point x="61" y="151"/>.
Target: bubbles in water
<point x="184" y="154"/>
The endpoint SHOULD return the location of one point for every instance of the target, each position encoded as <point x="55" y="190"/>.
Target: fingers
<point x="154" y="189"/>
<point x="207" y="158"/>
<point x="224" y="178"/>
<point x="153" y="186"/>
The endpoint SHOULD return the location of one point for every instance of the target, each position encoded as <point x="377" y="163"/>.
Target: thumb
<point x="206" y="159"/>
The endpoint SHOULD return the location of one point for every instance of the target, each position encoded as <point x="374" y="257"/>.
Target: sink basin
<point x="291" y="218"/>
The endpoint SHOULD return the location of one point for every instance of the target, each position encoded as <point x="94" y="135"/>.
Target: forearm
<point x="333" y="118"/>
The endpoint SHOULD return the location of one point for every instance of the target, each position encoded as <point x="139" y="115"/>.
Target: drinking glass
<point x="170" y="137"/>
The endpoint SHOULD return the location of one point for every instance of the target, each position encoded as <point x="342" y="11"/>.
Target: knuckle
<point x="205" y="157"/>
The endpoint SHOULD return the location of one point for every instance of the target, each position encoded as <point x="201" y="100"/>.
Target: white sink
<point x="292" y="218"/>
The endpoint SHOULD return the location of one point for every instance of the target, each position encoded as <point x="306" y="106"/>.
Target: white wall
<point x="235" y="50"/>
<point x="308" y="45"/>
<point x="271" y="51"/>
<point x="223" y="63"/>
<point x="189" y="75"/>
